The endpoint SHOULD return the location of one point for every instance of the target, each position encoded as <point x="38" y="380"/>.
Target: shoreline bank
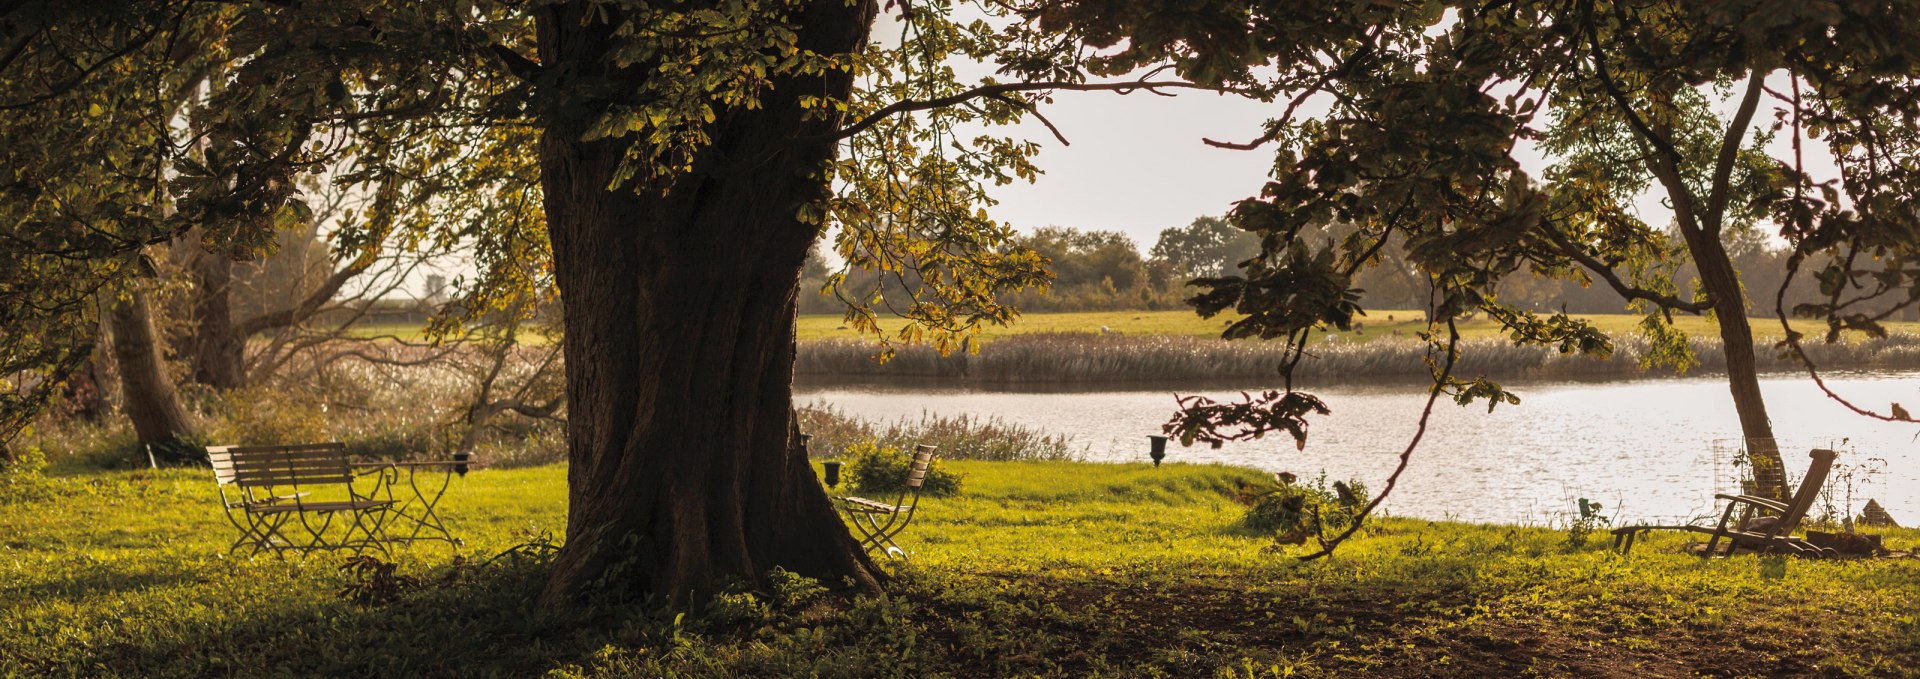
<point x="1042" y="358"/>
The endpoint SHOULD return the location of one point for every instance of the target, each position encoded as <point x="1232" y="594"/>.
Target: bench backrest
<point x="295" y="465"/>
<point x="1809" y="489"/>
<point x="922" y="459"/>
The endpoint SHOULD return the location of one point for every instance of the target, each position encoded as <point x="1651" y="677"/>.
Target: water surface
<point x="1650" y="449"/>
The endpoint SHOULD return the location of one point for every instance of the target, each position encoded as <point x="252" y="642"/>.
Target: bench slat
<point x="286" y="457"/>
<point x="336" y="463"/>
<point x="282" y="507"/>
<point x="256" y="482"/>
<point x="303" y="447"/>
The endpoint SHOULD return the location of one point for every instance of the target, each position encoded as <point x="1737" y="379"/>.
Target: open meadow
<point x="1032" y="569"/>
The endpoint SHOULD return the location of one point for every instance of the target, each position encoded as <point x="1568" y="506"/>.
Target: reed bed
<point x="960" y="437"/>
<point x="1083" y="357"/>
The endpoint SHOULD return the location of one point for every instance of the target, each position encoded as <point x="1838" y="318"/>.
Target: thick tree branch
<point x="1730" y="153"/>
<point x="306" y="308"/>
<point x="1606" y="273"/>
<point x="993" y="91"/>
<point x="520" y="66"/>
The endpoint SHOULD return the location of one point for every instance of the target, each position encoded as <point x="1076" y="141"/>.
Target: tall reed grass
<point x="958" y="437"/>
<point x="1082" y="357"/>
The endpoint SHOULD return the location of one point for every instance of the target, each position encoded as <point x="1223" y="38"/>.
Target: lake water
<point x="1653" y="449"/>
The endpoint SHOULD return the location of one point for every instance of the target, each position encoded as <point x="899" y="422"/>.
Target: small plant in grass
<point x="876" y="469"/>
<point x="373" y="582"/>
<point x="791" y="590"/>
<point x="1583" y="526"/>
<point x="1294" y="511"/>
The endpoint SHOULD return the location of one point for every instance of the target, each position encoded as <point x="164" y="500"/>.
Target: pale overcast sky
<point x="1137" y="164"/>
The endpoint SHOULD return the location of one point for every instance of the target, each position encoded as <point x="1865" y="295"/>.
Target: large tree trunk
<point x="686" y="469"/>
<point x="219" y="352"/>
<point x="1736" y="335"/>
<point x="149" y="398"/>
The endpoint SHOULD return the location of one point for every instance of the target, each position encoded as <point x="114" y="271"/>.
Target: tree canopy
<point x="1428" y="105"/>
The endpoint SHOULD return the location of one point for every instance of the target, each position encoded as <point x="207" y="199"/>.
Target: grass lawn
<point x="1377" y="323"/>
<point x="1035" y="569"/>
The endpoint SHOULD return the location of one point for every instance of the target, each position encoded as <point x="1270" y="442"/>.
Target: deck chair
<point x="1776" y="538"/>
<point x="878" y="522"/>
<point x="267" y="492"/>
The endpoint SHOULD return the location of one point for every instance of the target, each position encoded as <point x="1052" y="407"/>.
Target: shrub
<point x="1293" y="511"/>
<point x="876" y="469"/>
<point x="261" y="415"/>
<point x="21" y="479"/>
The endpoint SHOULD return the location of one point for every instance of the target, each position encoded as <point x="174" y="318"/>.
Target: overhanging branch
<point x="1606" y="273"/>
<point x="994" y="91"/>
<point x="306" y="308"/>
<point x="1730" y="153"/>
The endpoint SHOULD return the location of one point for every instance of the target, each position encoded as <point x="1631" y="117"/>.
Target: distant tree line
<point x="1096" y="270"/>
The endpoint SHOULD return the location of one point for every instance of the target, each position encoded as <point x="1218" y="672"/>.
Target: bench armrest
<point x="1774" y="505"/>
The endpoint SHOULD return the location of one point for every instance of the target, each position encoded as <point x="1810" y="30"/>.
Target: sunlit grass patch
<point x="1035" y="568"/>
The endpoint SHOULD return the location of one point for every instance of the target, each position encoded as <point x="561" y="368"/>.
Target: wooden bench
<point x="878" y="522"/>
<point x="291" y="497"/>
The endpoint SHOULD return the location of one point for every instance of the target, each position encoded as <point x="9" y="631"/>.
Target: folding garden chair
<point x="273" y="505"/>
<point x="1776" y="537"/>
<point x="878" y="522"/>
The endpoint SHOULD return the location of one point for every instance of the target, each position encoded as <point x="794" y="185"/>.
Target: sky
<point x="1136" y="163"/>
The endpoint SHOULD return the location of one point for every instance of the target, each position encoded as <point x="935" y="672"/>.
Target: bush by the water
<point x="877" y="469"/>
<point x="1294" y="511"/>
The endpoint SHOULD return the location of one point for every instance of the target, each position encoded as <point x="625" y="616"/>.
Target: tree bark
<point x="219" y="352"/>
<point x="686" y="467"/>
<point x="1718" y="277"/>
<point x="150" y="399"/>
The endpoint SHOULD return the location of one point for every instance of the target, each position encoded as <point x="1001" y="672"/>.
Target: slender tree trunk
<point x="150" y="398"/>
<point x="86" y="392"/>
<point x="1743" y="378"/>
<point x="219" y="353"/>
<point x="686" y="469"/>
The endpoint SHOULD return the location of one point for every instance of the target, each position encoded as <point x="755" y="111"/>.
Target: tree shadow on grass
<point x="95" y="581"/>
<point x="451" y="621"/>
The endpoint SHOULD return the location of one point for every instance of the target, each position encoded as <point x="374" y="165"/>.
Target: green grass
<point x="1035" y="569"/>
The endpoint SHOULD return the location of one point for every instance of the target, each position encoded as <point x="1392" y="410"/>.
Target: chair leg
<point x="270" y="529"/>
<point x="1721" y="531"/>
